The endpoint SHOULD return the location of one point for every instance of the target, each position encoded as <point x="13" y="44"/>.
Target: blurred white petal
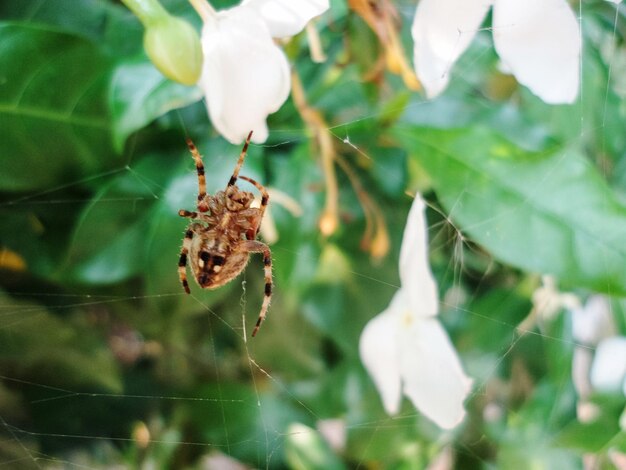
<point x="335" y="432"/>
<point x="539" y="41"/>
<point x="432" y="374"/>
<point x="593" y="322"/>
<point x="547" y="299"/>
<point x="245" y="75"/>
<point x="442" y="30"/>
<point x="608" y="371"/>
<point x="586" y="411"/>
<point x="287" y="17"/>
<point x="268" y="230"/>
<point x="378" y="348"/>
<point x="416" y="278"/>
<point x="445" y="460"/>
<point x="581" y="365"/>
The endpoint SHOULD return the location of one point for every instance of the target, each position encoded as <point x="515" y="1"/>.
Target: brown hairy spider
<point x="219" y="241"/>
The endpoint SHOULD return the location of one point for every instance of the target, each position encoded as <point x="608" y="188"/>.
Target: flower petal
<point x="593" y="322"/>
<point x="378" y="348"/>
<point x="608" y="371"/>
<point x="415" y="276"/>
<point x="442" y="30"/>
<point x="287" y="17"/>
<point x="581" y="365"/>
<point x="245" y="75"/>
<point x="539" y="41"/>
<point x="431" y="372"/>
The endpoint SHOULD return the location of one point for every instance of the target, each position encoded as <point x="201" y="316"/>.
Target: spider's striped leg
<point x="202" y="205"/>
<point x="196" y="216"/>
<point x="188" y="214"/>
<point x="182" y="261"/>
<point x="253" y="246"/>
<point x="242" y="155"/>
<point x="265" y="197"/>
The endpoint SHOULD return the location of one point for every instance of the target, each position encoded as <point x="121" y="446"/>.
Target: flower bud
<point x="171" y="43"/>
<point x="174" y="48"/>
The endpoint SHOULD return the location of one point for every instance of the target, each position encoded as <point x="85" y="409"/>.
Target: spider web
<point x="444" y="232"/>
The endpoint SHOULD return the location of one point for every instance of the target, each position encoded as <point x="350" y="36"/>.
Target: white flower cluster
<point x="538" y="41"/>
<point x="245" y="75"/>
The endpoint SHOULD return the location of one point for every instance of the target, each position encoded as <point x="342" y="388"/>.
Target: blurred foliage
<point x="105" y="361"/>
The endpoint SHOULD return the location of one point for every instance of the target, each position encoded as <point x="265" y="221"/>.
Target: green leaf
<point x="546" y="212"/>
<point x="54" y="123"/>
<point x="139" y="94"/>
<point x="494" y="337"/>
<point x="588" y="437"/>
<point x="108" y="243"/>
<point x="522" y="456"/>
<point x="600" y="434"/>
<point x="56" y="350"/>
<point x="84" y="18"/>
<point x="528" y="440"/>
<point x="111" y="25"/>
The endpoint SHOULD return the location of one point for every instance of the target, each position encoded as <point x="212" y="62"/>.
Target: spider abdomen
<point x="215" y="260"/>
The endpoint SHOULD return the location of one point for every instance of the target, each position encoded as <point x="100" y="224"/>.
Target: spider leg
<point x="196" y="216"/>
<point x="182" y="261"/>
<point x="254" y="246"/>
<point x="202" y="206"/>
<point x="265" y="197"/>
<point x="188" y="214"/>
<point x="242" y="155"/>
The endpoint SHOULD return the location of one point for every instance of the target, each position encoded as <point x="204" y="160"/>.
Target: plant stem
<point x="148" y="11"/>
<point x="204" y="9"/>
<point x="315" y="121"/>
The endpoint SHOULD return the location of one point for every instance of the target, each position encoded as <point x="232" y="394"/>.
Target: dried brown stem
<point x="329" y="220"/>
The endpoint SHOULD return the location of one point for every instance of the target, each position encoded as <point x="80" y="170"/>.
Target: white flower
<point x="538" y="41"/>
<point x="405" y="349"/>
<point x="548" y="301"/>
<point x="608" y="372"/>
<point x="245" y="75"/>
<point x="593" y="322"/>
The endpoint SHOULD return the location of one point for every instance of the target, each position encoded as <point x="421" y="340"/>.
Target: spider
<point x="223" y="233"/>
